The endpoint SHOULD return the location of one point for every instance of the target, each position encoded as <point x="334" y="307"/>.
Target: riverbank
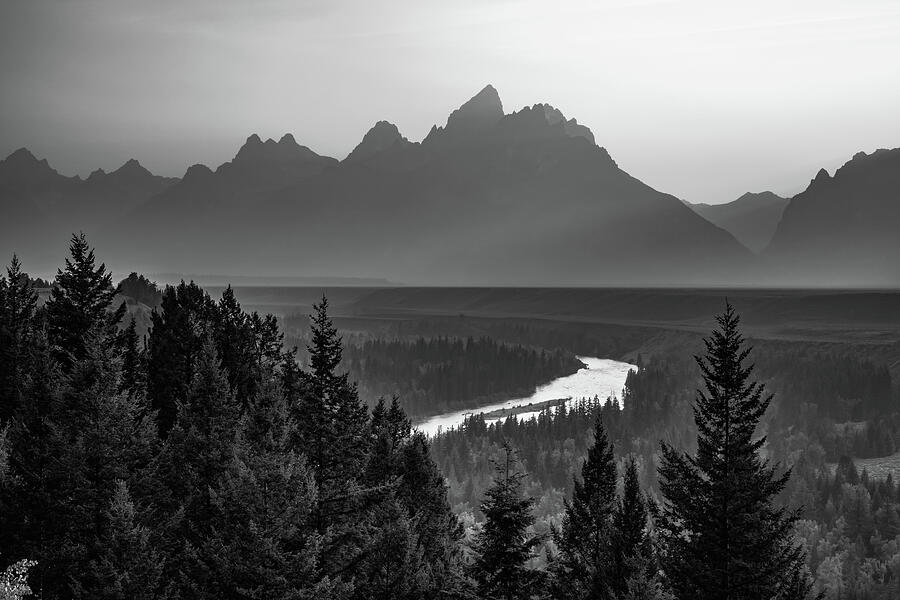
<point x="600" y="377"/>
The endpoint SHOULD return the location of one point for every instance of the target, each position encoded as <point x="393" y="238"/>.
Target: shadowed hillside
<point x="751" y="219"/>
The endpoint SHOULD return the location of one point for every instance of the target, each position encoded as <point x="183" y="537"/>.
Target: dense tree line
<point x="437" y="375"/>
<point x="206" y="464"/>
<point x="850" y="526"/>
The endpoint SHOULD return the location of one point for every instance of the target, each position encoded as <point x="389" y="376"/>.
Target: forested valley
<point x="212" y="458"/>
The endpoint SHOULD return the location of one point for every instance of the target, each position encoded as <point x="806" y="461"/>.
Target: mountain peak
<point x="484" y="108"/>
<point x="133" y="168"/>
<point x="382" y="136"/>
<point x="478" y="114"/>
<point x="196" y="173"/>
<point x="286" y="150"/>
<point x="96" y="175"/>
<point x="22" y="165"/>
<point x="21" y="155"/>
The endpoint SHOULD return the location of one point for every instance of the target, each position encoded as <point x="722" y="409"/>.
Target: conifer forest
<point x="200" y="455"/>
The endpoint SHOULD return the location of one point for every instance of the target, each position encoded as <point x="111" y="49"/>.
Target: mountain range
<point x="490" y="198"/>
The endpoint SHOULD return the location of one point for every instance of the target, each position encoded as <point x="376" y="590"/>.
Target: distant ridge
<point x="751" y="219"/>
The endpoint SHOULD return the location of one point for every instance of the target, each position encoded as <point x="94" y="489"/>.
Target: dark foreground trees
<point x="585" y="567"/>
<point x="723" y="535"/>
<point x="207" y="464"/>
<point x="504" y="545"/>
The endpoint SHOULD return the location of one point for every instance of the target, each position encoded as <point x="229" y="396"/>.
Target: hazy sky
<point x="704" y="100"/>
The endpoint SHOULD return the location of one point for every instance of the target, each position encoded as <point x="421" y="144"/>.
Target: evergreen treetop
<point x="723" y="535"/>
<point x="504" y="545"/>
<point x="81" y="298"/>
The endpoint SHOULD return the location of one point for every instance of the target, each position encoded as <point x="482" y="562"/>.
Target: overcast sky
<point x="704" y="100"/>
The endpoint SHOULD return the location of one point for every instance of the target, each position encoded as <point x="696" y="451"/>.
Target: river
<point x="600" y="377"/>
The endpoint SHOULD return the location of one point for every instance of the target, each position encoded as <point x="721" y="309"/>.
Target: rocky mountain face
<point x="751" y="219"/>
<point x="843" y="229"/>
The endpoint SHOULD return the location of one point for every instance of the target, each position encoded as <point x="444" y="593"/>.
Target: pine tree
<point x="630" y="539"/>
<point x="503" y="546"/>
<point x="111" y="438"/>
<point x="584" y="567"/>
<point x="236" y="346"/>
<point x="76" y="436"/>
<point x="644" y="583"/>
<point x="260" y="542"/>
<point x="201" y="444"/>
<point x="414" y="551"/>
<point x="79" y="302"/>
<point x="29" y="503"/>
<point x="423" y="494"/>
<point x="18" y="302"/>
<point x="177" y="336"/>
<point x="723" y="537"/>
<point x="128" y="566"/>
<point x="199" y="448"/>
<point x="332" y="428"/>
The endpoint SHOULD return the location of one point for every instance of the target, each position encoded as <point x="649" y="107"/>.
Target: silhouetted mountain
<point x="270" y="164"/>
<point x="752" y="218"/>
<point x="488" y="198"/>
<point x="43" y="208"/>
<point x="382" y="137"/>
<point x="843" y="229"/>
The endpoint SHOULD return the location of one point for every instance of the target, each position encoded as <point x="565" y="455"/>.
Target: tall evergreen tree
<point x="503" y="546"/>
<point x="18" y="302"/>
<point x="177" y="335"/>
<point x="332" y="425"/>
<point x="80" y="301"/>
<point x="584" y="567"/>
<point x="423" y="494"/>
<point x="235" y="341"/>
<point x="414" y="553"/>
<point x="630" y="538"/>
<point x="198" y="449"/>
<point x="723" y="536"/>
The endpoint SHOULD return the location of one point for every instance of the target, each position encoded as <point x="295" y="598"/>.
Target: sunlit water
<point x="601" y="377"/>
